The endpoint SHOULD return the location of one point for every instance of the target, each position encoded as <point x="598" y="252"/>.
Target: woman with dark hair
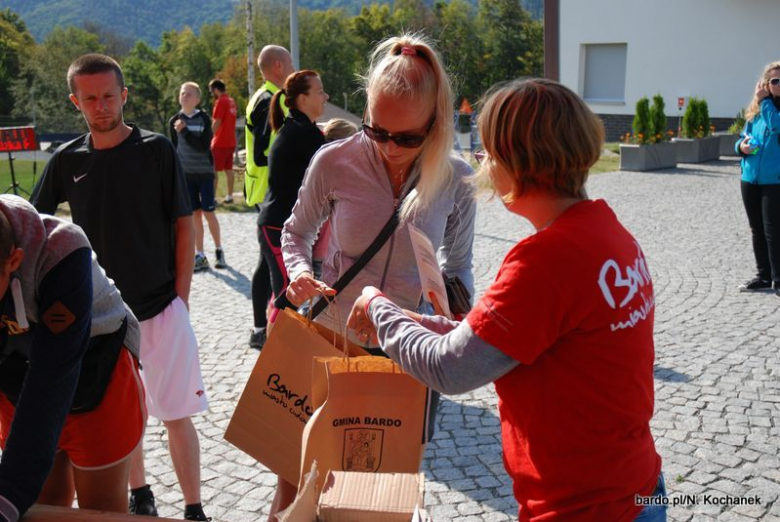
<point x="572" y="360"/>
<point x="297" y="140"/>
<point x="760" y="151"/>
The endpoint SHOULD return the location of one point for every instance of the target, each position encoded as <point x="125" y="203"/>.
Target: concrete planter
<point x="648" y="157"/>
<point x="698" y="150"/>
<point x="727" y="142"/>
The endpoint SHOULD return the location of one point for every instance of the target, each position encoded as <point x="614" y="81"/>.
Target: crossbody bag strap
<point x="362" y="261"/>
<point x="366" y="256"/>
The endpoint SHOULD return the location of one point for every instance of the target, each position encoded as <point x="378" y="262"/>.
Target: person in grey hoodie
<point x="71" y="400"/>
<point x="402" y="160"/>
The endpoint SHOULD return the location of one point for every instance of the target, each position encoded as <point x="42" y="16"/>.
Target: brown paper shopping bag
<point x="276" y="404"/>
<point x="373" y="418"/>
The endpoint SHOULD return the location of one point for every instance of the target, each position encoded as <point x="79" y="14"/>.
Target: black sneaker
<point x="220" y="263"/>
<point x="142" y="503"/>
<point x="195" y="512"/>
<point x="201" y="517"/>
<point x="257" y="339"/>
<point x="755" y="284"/>
<point x="776" y="287"/>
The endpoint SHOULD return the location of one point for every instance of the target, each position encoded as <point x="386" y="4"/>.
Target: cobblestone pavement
<point x="717" y="374"/>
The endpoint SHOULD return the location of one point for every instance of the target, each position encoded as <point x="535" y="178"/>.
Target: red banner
<point x="14" y="139"/>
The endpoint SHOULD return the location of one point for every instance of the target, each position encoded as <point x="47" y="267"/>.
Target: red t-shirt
<point x="225" y="110"/>
<point x="574" y="304"/>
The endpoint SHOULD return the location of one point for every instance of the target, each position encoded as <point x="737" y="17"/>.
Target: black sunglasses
<point x="405" y="140"/>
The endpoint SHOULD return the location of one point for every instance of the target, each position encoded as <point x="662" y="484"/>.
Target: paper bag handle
<point x="310" y="318"/>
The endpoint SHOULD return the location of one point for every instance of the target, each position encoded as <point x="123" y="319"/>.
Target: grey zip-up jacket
<point x="58" y="299"/>
<point x="347" y="182"/>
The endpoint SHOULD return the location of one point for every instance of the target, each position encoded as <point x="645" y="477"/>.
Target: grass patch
<point x="238" y="204"/>
<point x="23" y="169"/>
<point x="606" y="164"/>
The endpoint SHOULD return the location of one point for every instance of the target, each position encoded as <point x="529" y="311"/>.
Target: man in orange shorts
<point x="223" y="144"/>
<point x="71" y="400"/>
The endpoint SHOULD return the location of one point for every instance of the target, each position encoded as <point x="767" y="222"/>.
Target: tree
<point x="412" y="15"/>
<point x="642" y="125"/>
<point x="16" y="45"/>
<point x="234" y="76"/>
<point x="328" y="46"/>
<point x="114" y="44"/>
<point x="149" y="104"/>
<point x="658" y="119"/>
<point x="373" y="24"/>
<point x="511" y="41"/>
<point x="45" y="73"/>
<point x="459" y="48"/>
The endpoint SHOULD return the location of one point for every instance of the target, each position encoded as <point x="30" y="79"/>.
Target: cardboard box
<point x="375" y="497"/>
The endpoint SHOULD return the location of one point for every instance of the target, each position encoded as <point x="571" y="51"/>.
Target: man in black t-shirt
<point x="126" y="190"/>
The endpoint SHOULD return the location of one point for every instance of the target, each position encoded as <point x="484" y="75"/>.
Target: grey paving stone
<point x="717" y="392"/>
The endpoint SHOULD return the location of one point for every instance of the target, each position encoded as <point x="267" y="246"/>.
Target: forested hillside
<point x="146" y="20"/>
<point x="481" y="44"/>
<point x="135" y="19"/>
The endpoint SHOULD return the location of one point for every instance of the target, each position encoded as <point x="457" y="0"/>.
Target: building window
<point x="604" y="73"/>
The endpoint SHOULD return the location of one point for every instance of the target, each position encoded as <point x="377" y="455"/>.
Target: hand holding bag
<point x="276" y="404"/>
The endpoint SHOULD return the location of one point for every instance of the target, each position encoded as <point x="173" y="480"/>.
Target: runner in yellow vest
<point x="275" y="65"/>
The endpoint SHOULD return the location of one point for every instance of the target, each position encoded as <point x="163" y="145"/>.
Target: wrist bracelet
<point x="368" y="303"/>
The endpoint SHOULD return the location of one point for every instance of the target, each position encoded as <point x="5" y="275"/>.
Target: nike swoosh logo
<point x="76" y="179"/>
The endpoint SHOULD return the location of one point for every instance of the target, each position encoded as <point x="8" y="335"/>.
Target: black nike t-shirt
<point x="127" y="200"/>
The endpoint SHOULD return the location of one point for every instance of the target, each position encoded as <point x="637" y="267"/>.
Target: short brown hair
<point x="542" y="134"/>
<point x="93" y="63"/>
<point x="217" y="84"/>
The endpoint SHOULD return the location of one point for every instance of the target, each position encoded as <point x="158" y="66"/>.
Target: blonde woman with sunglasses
<point x="405" y="147"/>
<point x="760" y="151"/>
<point x="402" y="158"/>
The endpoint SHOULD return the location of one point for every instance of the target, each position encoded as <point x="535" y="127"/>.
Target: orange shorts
<point x="106" y="435"/>
<point x="223" y="158"/>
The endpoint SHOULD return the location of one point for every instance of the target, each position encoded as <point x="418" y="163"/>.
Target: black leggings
<point x="270" y="277"/>
<point x="762" y="204"/>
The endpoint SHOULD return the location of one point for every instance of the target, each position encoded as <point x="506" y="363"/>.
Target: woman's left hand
<point x="761" y="90"/>
<point x="358" y="319"/>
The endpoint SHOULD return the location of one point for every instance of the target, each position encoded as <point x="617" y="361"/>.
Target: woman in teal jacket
<point x="760" y="151"/>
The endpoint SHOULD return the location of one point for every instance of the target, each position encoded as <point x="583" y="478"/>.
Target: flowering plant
<point x="696" y="120"/>
<point x="649" y="123"/>
<point x="641" y="139"/>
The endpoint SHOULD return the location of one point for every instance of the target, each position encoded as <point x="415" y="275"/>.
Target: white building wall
<point x="714" y="49"/>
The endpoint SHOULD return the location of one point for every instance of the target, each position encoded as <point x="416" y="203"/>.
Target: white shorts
<point x="170" y="367"/>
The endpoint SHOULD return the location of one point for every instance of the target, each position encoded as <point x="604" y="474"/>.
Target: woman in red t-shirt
<point x="565" y="331"/>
